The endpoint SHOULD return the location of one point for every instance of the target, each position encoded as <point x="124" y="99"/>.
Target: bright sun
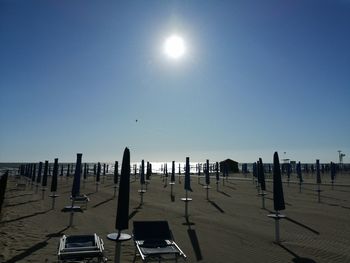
<point x="174" y="47"/>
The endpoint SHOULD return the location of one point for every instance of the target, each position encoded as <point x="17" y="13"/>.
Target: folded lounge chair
<point x="81" y="248"/>
<point x="81" y="199"/>
<point x="154" y="242"/>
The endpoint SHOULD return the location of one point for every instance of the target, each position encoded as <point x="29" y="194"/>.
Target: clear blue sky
<point x="257" y="77"/>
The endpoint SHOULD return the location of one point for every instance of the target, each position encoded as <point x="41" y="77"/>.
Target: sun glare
<point x="174" y="47"/>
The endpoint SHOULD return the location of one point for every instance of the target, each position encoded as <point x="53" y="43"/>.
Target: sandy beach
<point x="229" y="227"/>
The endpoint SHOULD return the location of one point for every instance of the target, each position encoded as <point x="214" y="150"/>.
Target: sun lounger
<point x="82" y="248"/>
<point x="81" y="199"/>
<point x="154" y="242"/>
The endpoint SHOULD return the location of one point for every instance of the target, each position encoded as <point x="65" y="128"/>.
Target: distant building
<point x="232" y="166"/>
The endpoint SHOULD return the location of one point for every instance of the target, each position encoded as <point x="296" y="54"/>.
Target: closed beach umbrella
<point x="261" y="175"/>
<point x="299" y="172"/>
<point x="3" y="183"/>
<point x="207" y="177"/>
<point x="46" y="167"/>
<point x="85" y="171"/>
<point x="40" y="169"/>
<point x="187" y="175"/>
<point x="318" y="174"/>
<point x="332" y="171"/>
<point x="278" y="198"/>
<point x="116" y="175"/>
<point x="217" y="172"/>
<point x="172" y="178"/>
<point x="98" y="172"/>
<point x="34" y="173"/>
<point x="122" y="220"/>
<point x="142" y="177"/>
<point x="77" y="174"/>
<point x="54" y="176"/>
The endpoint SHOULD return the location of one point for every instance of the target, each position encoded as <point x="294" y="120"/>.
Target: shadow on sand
<point x="24" y="217"/>
<point x="194" y="239"/>
<point x="103" y="202"/>
<point x="23" y="203"/>
<point x="225" y="194"/>
<point x="35" y="247"/>
<point x="216" y="206"/>
<point x="302" y="225"/>
<point x="296" y="258"/>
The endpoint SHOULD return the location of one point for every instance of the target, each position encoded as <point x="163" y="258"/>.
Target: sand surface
<point x="230" y="227"/>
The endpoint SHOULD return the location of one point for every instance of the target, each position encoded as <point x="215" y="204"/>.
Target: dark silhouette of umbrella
<point x="3" y="184"/>
<point x="261" y="175"/>
<point x="44" y="181"/>
<point x="116" y="174"/>
<point x="187" y="184"/>
<point x="333" y="171"/>
<point x="85" y="171"/>
<point x="40" y="169"/>
<point x="278" y="198"/>
<point x="172" y="178"/>
<point x="77" y="175"/>
<point x="299" y="174"/>
<point x="142" y="177"/>
<point x="33" y="173"/>
<point x="207" y="177"/>
<point x="98" y="172"/>
<point x="122" y="220"/>
<point x="54" y="176"/>
<point x="318" y="174"/>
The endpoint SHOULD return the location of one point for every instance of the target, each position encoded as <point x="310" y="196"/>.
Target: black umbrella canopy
<point x="261" y="174"/>
<point x="54" y="176"/>
<point x="172" y="178"/>
<point x="40" y="169"/>
<point x="98" y="172"/>
<point x="142" y="177"/>
<point x="116" y="175"/>
<point x="207" y="178"/>
<point x="278" y="198"/>
<point x="46" y="168"/>
<point x="34" y="173"/>
<point x="318" y="178"/>
<point x="332" y="171"/>
<point x="122" y="220"/>
<point x="187" y="175"/>
<point x="85" y="171"/>
<point x="217" y="171"/>
<point x="77" y="175"/>
<point x="300" y="176"/>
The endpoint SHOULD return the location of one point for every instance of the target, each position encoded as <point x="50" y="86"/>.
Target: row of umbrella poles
<point x="278" y="197"/>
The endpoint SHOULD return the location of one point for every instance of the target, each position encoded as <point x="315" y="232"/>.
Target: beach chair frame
<point x="81" y="248"/>
<point x="144" y="233"/>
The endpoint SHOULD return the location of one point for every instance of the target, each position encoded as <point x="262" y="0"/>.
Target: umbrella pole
<point x="43" y="193"/>
<point x="96" y="187"/>
<point x="117" y="252"/>
<point x="263" y="199"/>
<point x="71" y="213"/>
<point x="277" y="229"/>
<point x="207" y="192"/>
<point x="171" y="187"/>
<point x="53" y="200"/>
<point x="299" y="187"/>
<point x="186" y="206"/>
<point x="115" y="190"/>
<point x="319" y="193"/>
